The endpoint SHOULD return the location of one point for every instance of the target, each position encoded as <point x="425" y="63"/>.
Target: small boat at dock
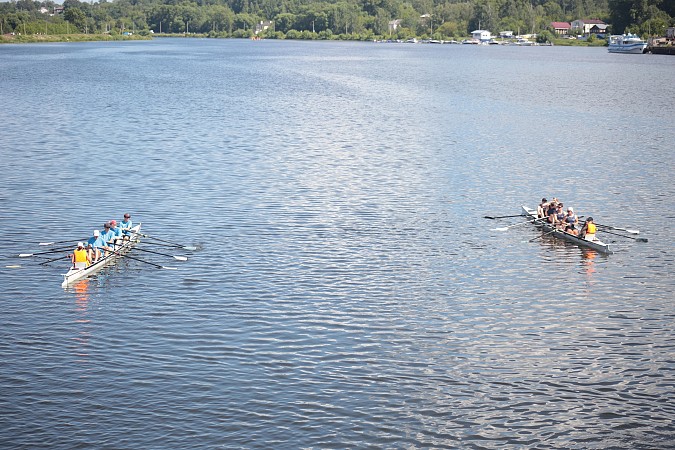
<point x="75" y="274"/>
<point x="531" y="214"/>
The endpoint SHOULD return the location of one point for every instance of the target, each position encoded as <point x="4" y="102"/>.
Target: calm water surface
<point x="347" y="291"/>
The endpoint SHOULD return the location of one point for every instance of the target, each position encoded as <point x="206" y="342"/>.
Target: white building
<point x="393" y="25"/>
<point x="585" y="25"/>
<point x="263" y="26"/>
<point x="481" y="35"/>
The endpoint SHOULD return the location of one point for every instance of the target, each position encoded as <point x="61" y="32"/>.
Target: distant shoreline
<point x="42" y="38"/>
<point x="45" y="38"/>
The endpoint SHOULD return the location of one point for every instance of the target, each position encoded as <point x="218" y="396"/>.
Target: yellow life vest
<point x="80" y="255"/>
<point x="590" y="228"/>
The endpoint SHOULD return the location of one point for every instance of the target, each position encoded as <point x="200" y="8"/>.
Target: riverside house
<point x="561" y="28"/>
<point x="585" y="25"/>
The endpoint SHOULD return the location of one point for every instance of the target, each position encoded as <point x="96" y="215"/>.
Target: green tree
<point x="284" y="22"/>
<point x="76" y="17"/>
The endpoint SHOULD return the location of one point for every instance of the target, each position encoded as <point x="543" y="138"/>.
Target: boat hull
<point x="77" y="274"/>
<point x="545" y="227"/>
<point x="636" y="49"/>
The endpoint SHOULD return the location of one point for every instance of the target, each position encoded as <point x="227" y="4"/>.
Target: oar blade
<point x="189" y="248"/>
<point x="500" y="229"/>
<point x="25" y="255"/>
<point x="180" y="258"/>
<point x="45" y="243"/>
<point x="169" y="268"/>
<point x="642" y="240"/>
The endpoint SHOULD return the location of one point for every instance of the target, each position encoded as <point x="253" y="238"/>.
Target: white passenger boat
<point x="77" y="274"/>
<point x="626" y="43"/>
<point x="546" y="228"/>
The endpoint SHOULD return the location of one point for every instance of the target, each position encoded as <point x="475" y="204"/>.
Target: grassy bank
<point x="33" y="38"/>
<point x="580" y="43"/>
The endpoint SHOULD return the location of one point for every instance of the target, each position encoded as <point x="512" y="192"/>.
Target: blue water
<point x="347" y="291"/>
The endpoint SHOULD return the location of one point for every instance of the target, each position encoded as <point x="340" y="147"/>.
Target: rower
<point x="571" y="218"/>
<point x="588" y="230"/>
<point x="126" y="225"/>
<point x="94" y="246"/>
<point x="559" y="216"/>
<point x="80" y="257"/>
<point x="550" y="212"/>
<point x="542" y="208"/>
<point x="108" y="237"/>
<point x="117" y="231"/>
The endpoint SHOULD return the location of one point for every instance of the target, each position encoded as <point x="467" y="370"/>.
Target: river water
<point x="347" y="291"/>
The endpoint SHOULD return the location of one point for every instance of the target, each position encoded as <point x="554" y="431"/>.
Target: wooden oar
<point x="184" y="247"/>
<point x="619" y="229"/>
<point x="502" y="217"/>
<point x="640" y="239"/>
<point x="179" y="258"/>
<point x="518" y="224"/>
<point x="147" y="262"/>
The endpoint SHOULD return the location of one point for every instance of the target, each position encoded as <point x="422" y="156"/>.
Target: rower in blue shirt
<point x="94" y="246"/>
<point x="126" y="224"/>
<point x="108" y="237"/>
<point x="117" y="231"/>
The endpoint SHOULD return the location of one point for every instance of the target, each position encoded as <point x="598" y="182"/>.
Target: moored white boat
<point x="626" y="43"/>
<point x="77" y="274"/>
<point x="595" y="245"/>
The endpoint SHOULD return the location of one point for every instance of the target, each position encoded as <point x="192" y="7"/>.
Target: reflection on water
<point x="588" y="262"/>
<point x="81" y="292"/>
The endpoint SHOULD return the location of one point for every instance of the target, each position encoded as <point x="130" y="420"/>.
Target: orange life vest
<point x="590" y="228"/>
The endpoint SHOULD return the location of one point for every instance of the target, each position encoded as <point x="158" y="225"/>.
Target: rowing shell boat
<point x="552" y="231"/>
<point x="120" y="250"/>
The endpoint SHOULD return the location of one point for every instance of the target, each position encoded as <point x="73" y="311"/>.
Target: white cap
<point x="570" y="209"/>
<point x="80" y="244"/>
<point x="96" y="232"/>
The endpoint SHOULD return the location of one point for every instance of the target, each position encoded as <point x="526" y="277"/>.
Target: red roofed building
<point x="561" y="27"/>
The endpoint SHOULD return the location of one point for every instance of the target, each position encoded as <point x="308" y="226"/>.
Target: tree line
<point x="319" y="19"/>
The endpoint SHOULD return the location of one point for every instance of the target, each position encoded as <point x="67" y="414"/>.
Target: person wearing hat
<point x="571" y="220"/>
<point x="559" y="217"/>
<point x="117" y="231"/>
<point x="126" y="224"/>
<point x="80" y="257"/>
<point x="588" y="230"/>
<point x="94" y="246"/>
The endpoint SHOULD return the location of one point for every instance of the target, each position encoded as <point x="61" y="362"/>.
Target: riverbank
<point x="36" y="38"/>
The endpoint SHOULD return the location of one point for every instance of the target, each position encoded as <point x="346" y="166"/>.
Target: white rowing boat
<point x="552" y="231"/>
<point x="120" y="250"/>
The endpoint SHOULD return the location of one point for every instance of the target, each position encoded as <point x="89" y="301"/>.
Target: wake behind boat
<point x="598" y="245"/>
<point x="120" y="250"/>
